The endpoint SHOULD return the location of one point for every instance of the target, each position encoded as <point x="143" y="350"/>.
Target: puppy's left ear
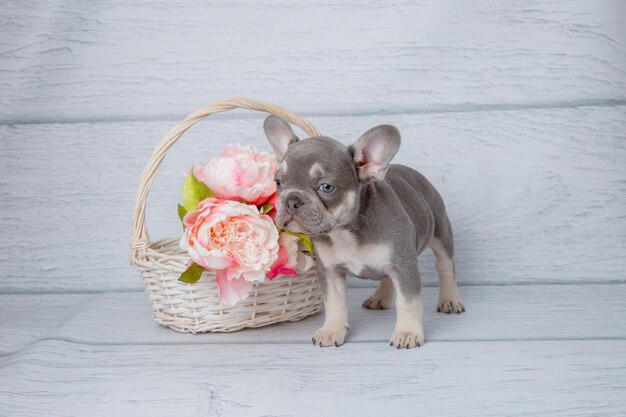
<point x="374" y="150"/>
<point x="280" y="135"/>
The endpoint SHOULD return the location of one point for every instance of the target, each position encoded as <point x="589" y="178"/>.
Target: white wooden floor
<point x="519" y="350"/>
<point x="516" y="111"/>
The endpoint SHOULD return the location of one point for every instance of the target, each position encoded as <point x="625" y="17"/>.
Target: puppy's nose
<point x="293" y="203"/>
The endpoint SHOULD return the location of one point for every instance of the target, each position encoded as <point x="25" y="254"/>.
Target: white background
<point x="516" y="111"/>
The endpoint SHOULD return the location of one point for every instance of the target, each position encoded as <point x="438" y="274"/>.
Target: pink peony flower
<point x="234" y="239"/>
<point x="273" y="200"/>
<point x="240" y="173"/>
<point x="290" y="258"/>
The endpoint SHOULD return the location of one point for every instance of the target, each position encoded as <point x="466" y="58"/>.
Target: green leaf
<point x="194" y="191"/>
<point x="181" y="212"/>
<point x="305" y="239"/>
<point x="266" y="208"/>
<point x="192" y="274"/>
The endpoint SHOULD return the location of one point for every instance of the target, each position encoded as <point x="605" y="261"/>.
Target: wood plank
<point x="511" y="313"/>
<point x="125" y="60"/>
<point x="534" y="195"/>
<point x="583" y="378"/>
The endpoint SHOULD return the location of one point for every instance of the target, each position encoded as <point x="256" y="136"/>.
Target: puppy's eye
<point x="326" y="187"/>
<point x="279" y="182"/>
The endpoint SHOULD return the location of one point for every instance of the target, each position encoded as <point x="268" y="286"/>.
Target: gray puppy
<point x="366" y="218"/>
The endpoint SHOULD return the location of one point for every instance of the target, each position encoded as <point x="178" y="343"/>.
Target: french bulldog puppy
<point x="366" y="218"/>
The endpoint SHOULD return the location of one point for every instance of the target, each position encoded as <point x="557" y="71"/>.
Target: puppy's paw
<point x="452" y="305"/>
<point x="377" y="302"/>
<point x="325" y="337"/>
<point x="407" y="339"/>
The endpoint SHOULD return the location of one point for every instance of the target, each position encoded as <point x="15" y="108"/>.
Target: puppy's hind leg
<point x="382" y="297"/>
<point x="449" y="298"/>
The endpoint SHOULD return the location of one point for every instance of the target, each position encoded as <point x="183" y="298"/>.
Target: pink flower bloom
<point x="231" y="291"/>
<point x="240" y="173"/>
<point x="198" y="172"/>
<point x="290" y="258"/>
<point x="273" y="200"/>
<point x="234" y="239"/>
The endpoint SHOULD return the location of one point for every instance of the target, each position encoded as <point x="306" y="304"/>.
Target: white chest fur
<point x="345" y="251"/>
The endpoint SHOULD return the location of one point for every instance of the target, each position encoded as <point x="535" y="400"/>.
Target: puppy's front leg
<point x="409" y="331"/>
<point x="333" y="332"/>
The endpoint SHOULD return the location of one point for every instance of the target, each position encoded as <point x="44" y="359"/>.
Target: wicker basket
<point x="194" y="307"/>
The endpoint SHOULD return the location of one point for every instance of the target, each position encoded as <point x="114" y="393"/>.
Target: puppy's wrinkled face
<point x="317" y="186"/>
<point x="319" y="179"/>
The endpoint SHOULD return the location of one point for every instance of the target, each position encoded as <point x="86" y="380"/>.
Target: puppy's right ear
<point x="280" y="135"/>
<point x="374" y="150"/>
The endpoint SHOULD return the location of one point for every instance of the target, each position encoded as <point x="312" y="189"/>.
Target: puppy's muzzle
<point x="293" y="201"/>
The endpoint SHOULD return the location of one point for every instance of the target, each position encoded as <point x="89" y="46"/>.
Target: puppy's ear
<point x="373" y="151"/>
<point x="280" y="135"/>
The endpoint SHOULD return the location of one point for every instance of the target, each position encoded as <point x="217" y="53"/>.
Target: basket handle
<point x="139" y="240"/>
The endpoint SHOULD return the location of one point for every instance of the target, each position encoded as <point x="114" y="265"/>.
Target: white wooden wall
<point x="515" y="110"/>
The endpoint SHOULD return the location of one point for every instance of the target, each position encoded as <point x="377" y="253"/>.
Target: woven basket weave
<point x="194" y="308"/>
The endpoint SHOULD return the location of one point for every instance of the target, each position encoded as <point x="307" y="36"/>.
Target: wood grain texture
<point x="585" y="378"/>
<point x="128" y="60"/>
<point x="494" y="313"/>
<point x="516" y="111"/>
<point x="534" y="195"/>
